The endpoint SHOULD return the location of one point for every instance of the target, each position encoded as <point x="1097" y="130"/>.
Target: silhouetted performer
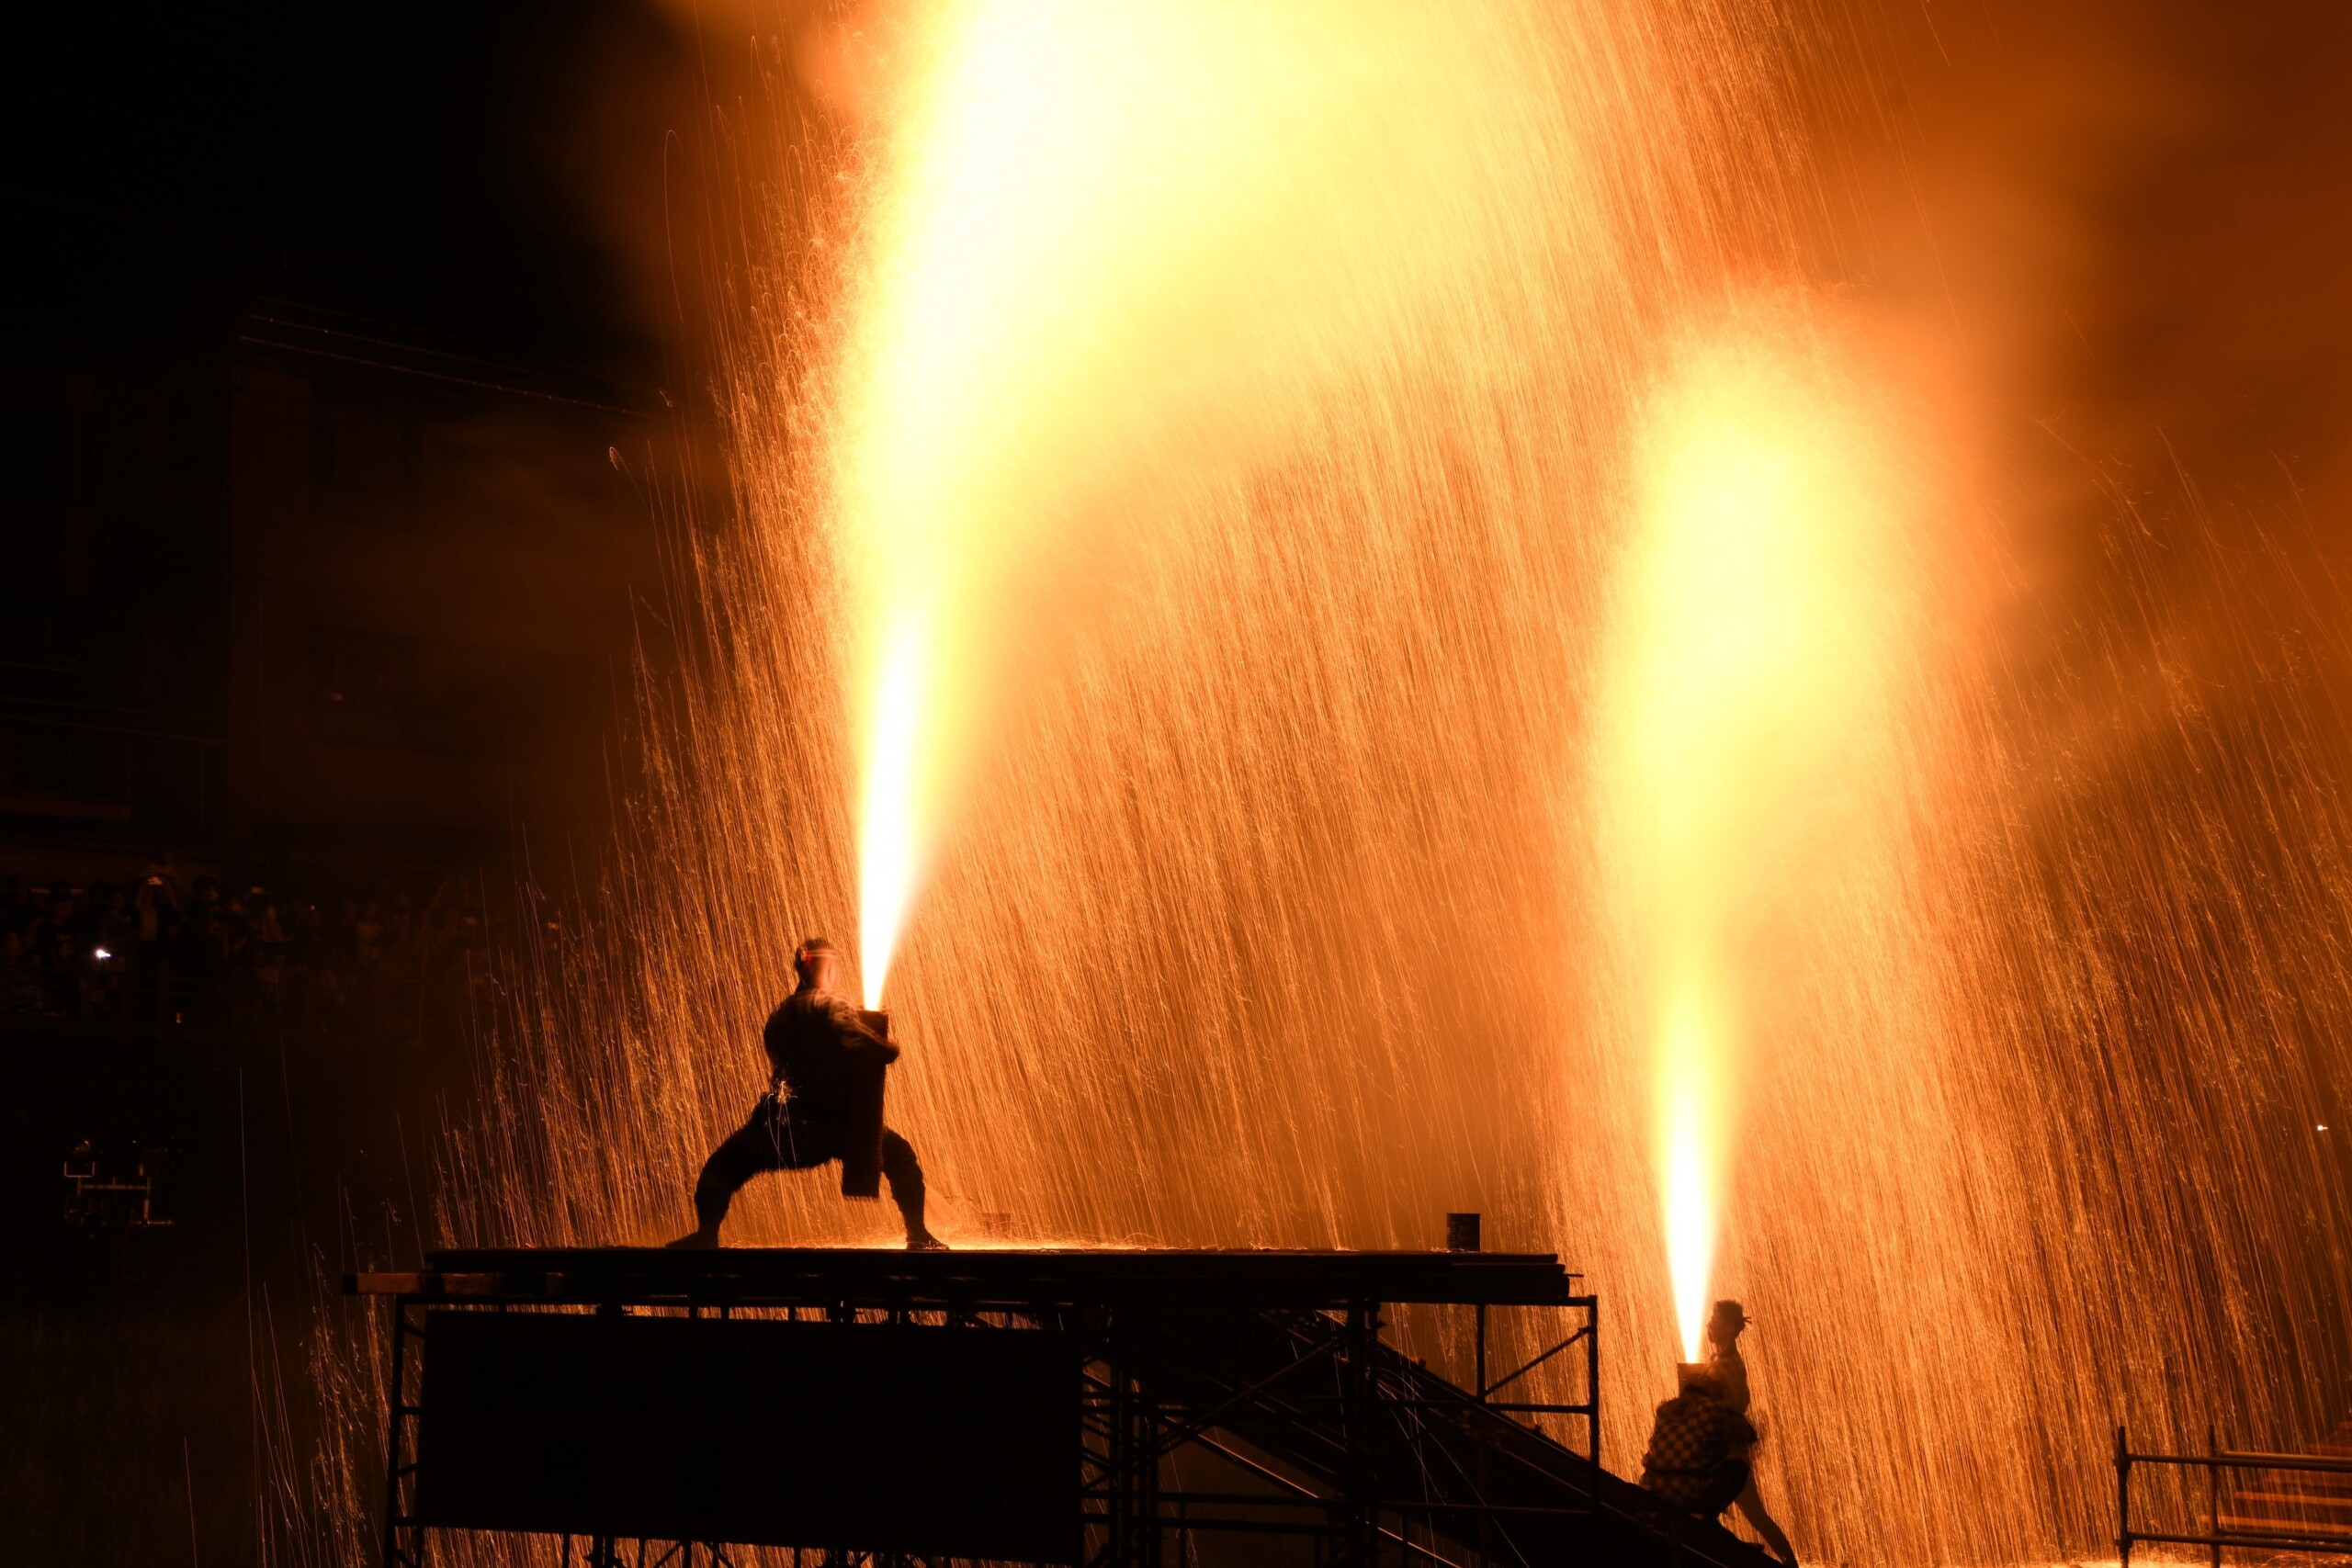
<point x="1698" y="1457"/>
<point x="813" y="1041"/>
<point x="1724" y="1325"/>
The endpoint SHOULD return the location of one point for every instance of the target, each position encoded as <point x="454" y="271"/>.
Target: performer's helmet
<point x="812" y="953"/>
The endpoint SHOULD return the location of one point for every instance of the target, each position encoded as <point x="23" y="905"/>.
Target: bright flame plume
<point x="1747" y="749"/>
<point x="1690" y="1148"/>
<point x="1111" y="259"/>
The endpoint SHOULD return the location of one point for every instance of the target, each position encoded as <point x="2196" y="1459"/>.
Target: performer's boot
<point x="904" y="1173"/>
<point x="919" y="1237"/>
<point x="710" y="1211"/>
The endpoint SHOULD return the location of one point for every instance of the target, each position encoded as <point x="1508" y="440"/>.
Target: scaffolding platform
<point x="1110" y="1408"/>
<point x="994" y="1280"/>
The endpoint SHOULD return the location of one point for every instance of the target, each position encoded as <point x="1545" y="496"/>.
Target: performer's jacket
<point x="811" y="1040"/>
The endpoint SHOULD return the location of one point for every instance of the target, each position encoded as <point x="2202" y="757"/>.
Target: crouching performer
<point x="819" y="1046"/>
<point x="1701" y="1455"/>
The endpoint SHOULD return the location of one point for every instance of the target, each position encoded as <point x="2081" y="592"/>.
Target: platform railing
<point x="1586" y="1333"/>
<point x="2221" y="1465"/>
<point x="1346" y="1393"/>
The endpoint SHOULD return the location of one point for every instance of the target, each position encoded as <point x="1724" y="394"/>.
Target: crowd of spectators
<point x="160" y="949"/>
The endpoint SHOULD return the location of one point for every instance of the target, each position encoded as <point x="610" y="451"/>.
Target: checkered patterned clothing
<point x="1690" y="1462"/>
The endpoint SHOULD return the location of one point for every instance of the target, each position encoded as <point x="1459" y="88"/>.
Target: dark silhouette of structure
<point x="2269" y="1503"/>
<point x="1204" y="1397"/>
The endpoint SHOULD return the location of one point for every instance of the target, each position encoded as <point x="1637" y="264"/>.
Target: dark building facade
<point x="433" y="564"/>
<point x="113" y="618"/>
<point x="315" y="643"/>
<point x="323" y="597"/>
<point x="318" y="599"/>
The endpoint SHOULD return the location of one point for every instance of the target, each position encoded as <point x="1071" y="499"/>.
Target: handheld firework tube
<point x="862" y="1137"/>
